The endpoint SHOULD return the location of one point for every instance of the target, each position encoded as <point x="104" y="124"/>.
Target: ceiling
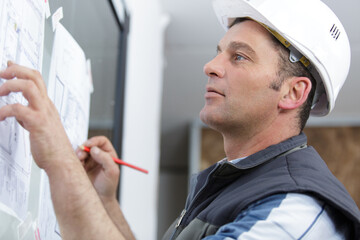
<point x="191" y="40"/>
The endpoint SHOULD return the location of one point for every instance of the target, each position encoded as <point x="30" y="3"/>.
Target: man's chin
<point x="210" y="119"/>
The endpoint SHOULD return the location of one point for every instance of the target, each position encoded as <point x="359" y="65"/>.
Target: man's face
<point x="238" y="93"/>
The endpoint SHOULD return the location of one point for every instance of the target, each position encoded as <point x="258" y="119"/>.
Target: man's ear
<point x="295" y="91"/>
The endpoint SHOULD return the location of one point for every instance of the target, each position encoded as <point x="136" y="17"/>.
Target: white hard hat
<point x="312" y="32"/>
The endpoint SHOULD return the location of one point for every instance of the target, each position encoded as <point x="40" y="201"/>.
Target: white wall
<point x="141" y="141"/>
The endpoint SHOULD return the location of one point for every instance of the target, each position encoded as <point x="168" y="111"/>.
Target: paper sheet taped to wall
<point x="69" y="86"/>
<point x="22" y="24"/>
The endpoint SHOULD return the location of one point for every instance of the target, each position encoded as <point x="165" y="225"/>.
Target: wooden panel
<point x="338" y="146"/>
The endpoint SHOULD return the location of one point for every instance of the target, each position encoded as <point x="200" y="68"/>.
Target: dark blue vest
<point x="222" y="191"/>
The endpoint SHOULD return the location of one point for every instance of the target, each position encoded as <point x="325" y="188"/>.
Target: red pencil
<point x="118" y="161"/>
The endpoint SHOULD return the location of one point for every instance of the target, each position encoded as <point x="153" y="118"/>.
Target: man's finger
<point x="28" y="89"/>
<point x="16" y="71"/>
<point x="19" y="111"/>
<point x="101" y="142"/>
<point x="81" y="154"/>
<point x="105" y="160"/>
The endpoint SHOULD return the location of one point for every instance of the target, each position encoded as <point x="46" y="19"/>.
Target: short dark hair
<point x="288" y="69"/>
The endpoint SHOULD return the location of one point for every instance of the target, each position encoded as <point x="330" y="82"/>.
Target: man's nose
<point x="215" y="67"/>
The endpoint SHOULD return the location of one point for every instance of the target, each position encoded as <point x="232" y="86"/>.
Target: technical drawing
<point x="59" y="91"/>
<point x="7" y="131"/>
<point x="22" y="24"/>
<point x="72" y="115"/>
<point x="69" y="88"/>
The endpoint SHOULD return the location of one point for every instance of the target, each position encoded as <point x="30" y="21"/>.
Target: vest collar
<point x="293" y="143"/>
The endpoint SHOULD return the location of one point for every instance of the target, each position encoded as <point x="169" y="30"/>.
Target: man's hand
<point x="103" y="172"/>
<point x="49" y="142"/>
<point x="78" y="209"/>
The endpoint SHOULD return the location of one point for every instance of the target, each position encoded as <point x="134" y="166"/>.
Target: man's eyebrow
<point x="234" y="46"/>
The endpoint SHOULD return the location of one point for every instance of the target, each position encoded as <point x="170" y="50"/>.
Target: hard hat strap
<point x="295" y="55"/>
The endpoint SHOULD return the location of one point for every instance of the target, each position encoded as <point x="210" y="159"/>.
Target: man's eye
<point x="239" y="57"/>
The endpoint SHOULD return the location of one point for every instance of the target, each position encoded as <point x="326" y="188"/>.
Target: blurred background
<point x="149" y="90"/>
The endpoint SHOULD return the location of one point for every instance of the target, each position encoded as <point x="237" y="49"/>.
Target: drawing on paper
<point x="69" y="87"/>
<point x="22" y="25"/>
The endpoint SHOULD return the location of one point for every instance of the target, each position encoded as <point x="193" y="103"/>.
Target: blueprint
<point x="69" y="86"/>
<point x="22" y="25"/>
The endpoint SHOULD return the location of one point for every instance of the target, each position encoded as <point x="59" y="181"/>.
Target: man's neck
<point x="242" y="144"/>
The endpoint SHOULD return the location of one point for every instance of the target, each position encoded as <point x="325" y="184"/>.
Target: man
<point x="269" y="73"/>
<point x="271" y="186"/>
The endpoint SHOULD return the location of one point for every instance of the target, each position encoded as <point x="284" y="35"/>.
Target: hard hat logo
<point x="335" y="32"/>
<point x="318" y="40"/>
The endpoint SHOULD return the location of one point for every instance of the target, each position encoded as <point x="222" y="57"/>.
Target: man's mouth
<point x="212" y="91"/>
